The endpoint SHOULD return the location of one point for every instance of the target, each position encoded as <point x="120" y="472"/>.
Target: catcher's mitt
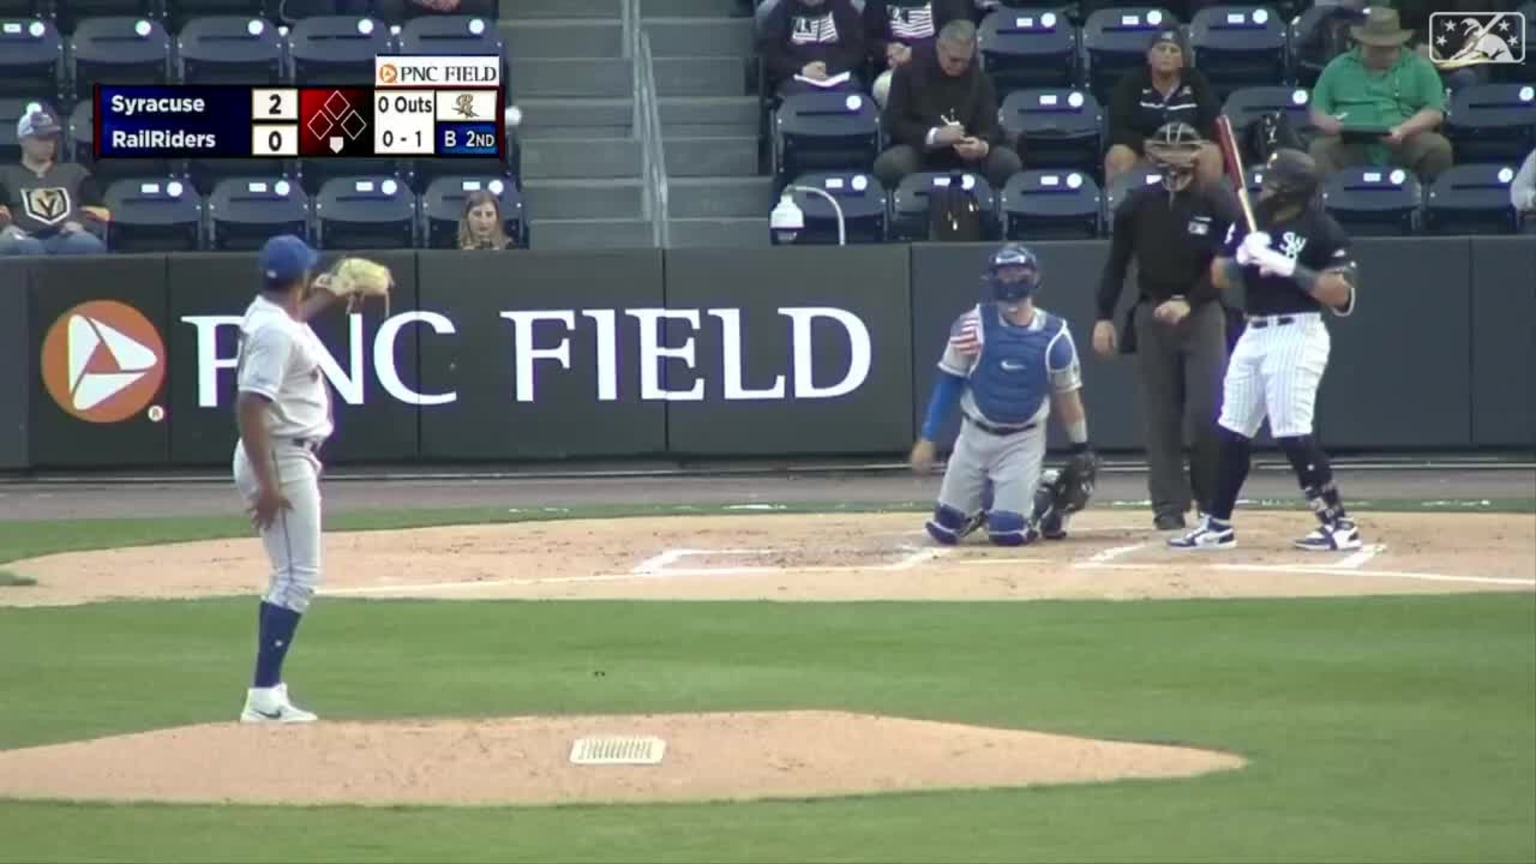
<point x="356" y="279"/>
<point x="1076" y="483"/>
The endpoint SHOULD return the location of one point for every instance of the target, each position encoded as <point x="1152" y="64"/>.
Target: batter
<point x="1005" y="363"/>
<point x="1297" y="265"/>
<point x="284" y="415"/>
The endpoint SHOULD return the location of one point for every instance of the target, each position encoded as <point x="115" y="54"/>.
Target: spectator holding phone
<point x="1380" y="103"/>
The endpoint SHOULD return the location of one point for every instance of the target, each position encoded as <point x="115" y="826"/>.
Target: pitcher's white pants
<point x="292" y="540"/>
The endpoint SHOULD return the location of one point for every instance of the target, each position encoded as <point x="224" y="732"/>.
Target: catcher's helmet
<point x="1013" y="273"/>
<point x="1290" y="179"/>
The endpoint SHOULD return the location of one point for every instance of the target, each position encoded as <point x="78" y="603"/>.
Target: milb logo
<point x="103" y="362"/>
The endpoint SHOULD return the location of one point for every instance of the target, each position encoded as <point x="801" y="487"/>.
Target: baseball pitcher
<point x="1293" y="268"/>
<point x="1006" y="362"/>
<point x="284" y="414"/>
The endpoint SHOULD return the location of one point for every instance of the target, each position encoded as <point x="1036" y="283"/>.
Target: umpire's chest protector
<point x="1010" y="378"/>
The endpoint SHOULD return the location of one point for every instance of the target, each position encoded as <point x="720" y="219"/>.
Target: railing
<point x="656" y="163"/>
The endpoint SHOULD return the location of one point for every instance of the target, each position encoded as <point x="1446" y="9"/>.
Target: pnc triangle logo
<point x="103" y="362"/>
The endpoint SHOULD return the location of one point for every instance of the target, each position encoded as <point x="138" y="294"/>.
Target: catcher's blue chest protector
<point x="1010" y="378"/>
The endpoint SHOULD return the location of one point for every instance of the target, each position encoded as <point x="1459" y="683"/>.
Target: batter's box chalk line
<point x="618" y="750"/>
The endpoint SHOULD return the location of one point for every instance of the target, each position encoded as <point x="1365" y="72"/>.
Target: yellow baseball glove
<point x="356" y="279"/>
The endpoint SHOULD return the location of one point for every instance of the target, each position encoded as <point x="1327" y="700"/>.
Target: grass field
<point x="1380" y="729"/>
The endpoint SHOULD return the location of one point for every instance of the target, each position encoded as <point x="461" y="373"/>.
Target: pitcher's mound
<point x="526" y="760"/>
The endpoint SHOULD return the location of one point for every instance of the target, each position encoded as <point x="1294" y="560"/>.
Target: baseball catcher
<point x="1005" y="365"/>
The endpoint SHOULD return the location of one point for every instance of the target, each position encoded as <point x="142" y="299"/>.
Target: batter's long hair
<point x="467" y="239"/>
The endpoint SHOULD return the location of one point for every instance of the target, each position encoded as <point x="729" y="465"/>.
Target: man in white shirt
<point x="284" y="414"/>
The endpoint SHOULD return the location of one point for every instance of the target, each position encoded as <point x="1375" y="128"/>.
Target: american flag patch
<point x="912" y="23"/>
<point x="965" y="336"/>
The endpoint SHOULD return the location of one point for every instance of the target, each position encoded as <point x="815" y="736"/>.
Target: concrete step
<point x="744" y="232"/>
<point x="691" y="130"/>
<point x="708" y="111"/>
<point x="692" y="8"/>
<point x="711" y="156"/>
<point x="575" y="113"/>
<point x="552" y="158"/>
<point x="514" y="10"/>
<point x="584" y="199"/>
<point x="714" y="197"/>
<point x="532" y="39"/>
<point x="574" y="234"/>
<point x="605" y="132"/>
<point x="700" y="37"/>
<point x="609" y="78"/>
<point x="696" y="76"/>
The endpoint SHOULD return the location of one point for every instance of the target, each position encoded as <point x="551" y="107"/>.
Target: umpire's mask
<point x="1173" y="150"/>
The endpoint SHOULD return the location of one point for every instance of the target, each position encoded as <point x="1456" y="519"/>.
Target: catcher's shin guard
<point x="1010" y="529"/>
<point x="948" y="525"/>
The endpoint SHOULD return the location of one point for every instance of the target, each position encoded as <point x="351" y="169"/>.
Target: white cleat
<point x="1339" y="536"/>
<point x="271" y="705"/>
<point x="1210" y="535"/>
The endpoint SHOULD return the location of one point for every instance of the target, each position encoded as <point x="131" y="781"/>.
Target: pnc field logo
<point x="103" y="362"/>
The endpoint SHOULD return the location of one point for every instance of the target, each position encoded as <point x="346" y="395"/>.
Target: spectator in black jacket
<point x="812" y="39"/>
<point x="942" y="115"/>
<point x="894" y="29"/>
<point x="1161" y="93"/>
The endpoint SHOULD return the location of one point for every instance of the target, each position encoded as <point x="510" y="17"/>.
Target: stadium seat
<point x="11" y="110"/>
<point x="442" y="206"/>
<point x="243" y="212"/>
<point x="1051" y="205"/>
<point x="337" y="49"/>
<point x="909" y="204"/>
<point x="1254" y="182"/>
<point x="69" y="13"/>
<point x="422" y="173"/>
<point x="1024" y="48"/>
<point x="1114" y="195"/>
<point x="117" y="50"/>
<point x="206" y="174"/>
<point x="1115" y="42"/>
<point x="1371" y="201"/>
<point x="377" y="212"/>
<point x="179" y="12"/>
<point x="231" y="49"/>
<point x="1245" y="106"/>
<point x="1238" y="46"/>
<point x="1492" y="122"/>
<point x="1471" y="199"/>
<point x="452" y="35"/>
<point x="18" y="10"/>
<point x="859" y="195"/>
<point x="825" y="132"/>
<point x="315" y="173"/>
<point x="80" y="136"/>
<point x="1055" y="128"/>
<point x="1305" y="54"/>
<point x="154" y="215"/>
<point x="31" y="59"/>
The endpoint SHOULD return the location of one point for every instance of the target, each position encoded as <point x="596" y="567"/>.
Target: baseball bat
<point x="1227" y="140"/>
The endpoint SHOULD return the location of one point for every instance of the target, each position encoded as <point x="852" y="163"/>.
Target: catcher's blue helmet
<point x="1013" y="273"/>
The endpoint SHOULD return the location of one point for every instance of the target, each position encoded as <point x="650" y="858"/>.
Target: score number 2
<point x="473" y="140"/>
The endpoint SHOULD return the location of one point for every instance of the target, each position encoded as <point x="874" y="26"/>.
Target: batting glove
<point x="1273" y="263"/>
<point x="1252" y="245"/>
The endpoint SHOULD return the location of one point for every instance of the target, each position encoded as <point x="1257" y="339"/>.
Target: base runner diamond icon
<point x="103" y="361"/>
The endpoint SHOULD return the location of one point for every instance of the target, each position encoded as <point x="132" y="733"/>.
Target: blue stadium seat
<point x="117" y="50"/>
<point x="337" y="49"/>
<point x="1238" y="46"/>
<point x="1246" y="106"/>
<point x="178" y="12"/>
<point x="1115" y="42"/>
<point x="422" y="173"/>
<point x="31" y="59"/>
<point x="1371" y="201"/>
<point x="154" y="215"/>
<point x="315" y="173"/>
<point x="206" y="174"/>
<point x="442" y="206"/>
<point x="11" y="110"/>
<point x="1472" y="199"/>
<point x="859" y="195"/>
<point x="909" y="204"/>
<point x="231" y="49"/>
<point x="1029" y="48"/>
<point x="377" y="212"/>
<point x="1114" y="195"/>
<point x="1304" y="56"/>
<point x="1055" y="128"/>
<point x="825" y="132"/>
<point x="452" y="35"/>
<point x="1492" y="122"/>
<point x="1050" y="204"/>
<point x="243" y="212"/>
<point x="79" y="138"/>
<point x="69" y="13"/>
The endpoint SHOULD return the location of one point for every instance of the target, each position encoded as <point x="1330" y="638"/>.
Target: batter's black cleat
<point x="1169" y="521"/>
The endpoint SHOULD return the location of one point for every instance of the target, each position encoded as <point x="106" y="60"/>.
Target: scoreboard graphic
<point x="421" y="107"/>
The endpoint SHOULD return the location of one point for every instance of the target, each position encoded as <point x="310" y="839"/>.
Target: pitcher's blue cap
<point x="285" y="258"/>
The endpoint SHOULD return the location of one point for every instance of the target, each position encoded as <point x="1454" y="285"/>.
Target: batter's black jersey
<point x="1312" y="239"/>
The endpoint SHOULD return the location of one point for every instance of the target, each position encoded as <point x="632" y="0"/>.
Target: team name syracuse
<point x="164" y="139"/>
<point x="128" y="106"/>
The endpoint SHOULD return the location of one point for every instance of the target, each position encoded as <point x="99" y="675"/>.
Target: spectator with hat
<point x="48" y="207"/>
<point x="1162" y="92"/>
<point x="1380" y="103"/>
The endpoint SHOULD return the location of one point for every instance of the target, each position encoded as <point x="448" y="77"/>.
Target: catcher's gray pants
<point x="1181" y="368"/>
<point x="1011" y="461"/>
<point x="292" y="541"/>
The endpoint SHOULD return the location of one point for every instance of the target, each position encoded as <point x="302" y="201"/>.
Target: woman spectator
<point x="1162" y="92"/>
<point x="481" y="226"/>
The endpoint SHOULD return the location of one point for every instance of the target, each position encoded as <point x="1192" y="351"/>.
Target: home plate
<point x="618" y="750"/>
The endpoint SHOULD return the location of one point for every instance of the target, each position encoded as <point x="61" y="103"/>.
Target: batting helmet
<point x="1291" y="179"/>
<point x="1013" y="273"/>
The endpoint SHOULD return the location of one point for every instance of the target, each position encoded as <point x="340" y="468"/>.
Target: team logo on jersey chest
<point x="1291" y="244"/>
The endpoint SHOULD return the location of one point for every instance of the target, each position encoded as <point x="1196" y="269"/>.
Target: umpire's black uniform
<point x="1173" y="236"/>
